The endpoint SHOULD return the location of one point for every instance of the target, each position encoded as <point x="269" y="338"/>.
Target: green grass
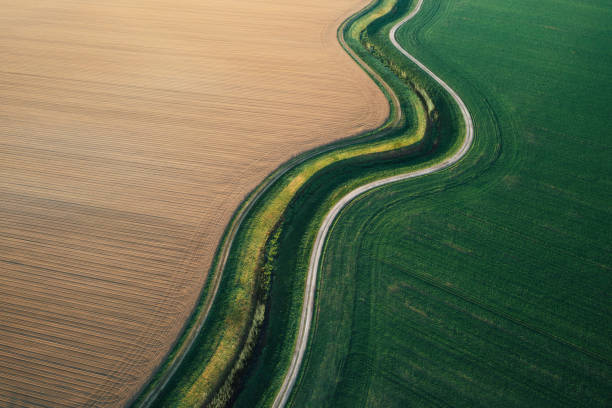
<point x="308" y="207"/>
<point x="489" y="284"/>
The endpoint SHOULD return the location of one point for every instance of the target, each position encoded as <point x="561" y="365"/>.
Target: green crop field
<point x="485" y="284"/>
<point x="488" y="284"/>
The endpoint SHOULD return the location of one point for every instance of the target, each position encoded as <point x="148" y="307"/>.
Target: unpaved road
<point x="313" y="268"/>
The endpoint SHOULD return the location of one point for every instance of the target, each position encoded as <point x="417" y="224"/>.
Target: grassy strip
<point x="213" y="359"/>
<point x="199" y="315"/>
<point x="194" y="324"/>
<point x="303" y="218"/>
<point x="225" y="394"/>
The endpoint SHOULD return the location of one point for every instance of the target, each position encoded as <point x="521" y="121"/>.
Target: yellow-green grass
<point x="302" y="219"/>
<point x="258" y="229"/>
<point x="212" y="359"/>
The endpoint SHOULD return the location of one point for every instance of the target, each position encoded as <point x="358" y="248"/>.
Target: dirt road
<point x="315" y="258"/>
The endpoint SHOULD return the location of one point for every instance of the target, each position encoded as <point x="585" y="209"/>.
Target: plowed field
<point x="129" y="132"/>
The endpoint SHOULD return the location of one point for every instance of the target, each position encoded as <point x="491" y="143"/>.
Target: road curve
<point x="313" y="268"/>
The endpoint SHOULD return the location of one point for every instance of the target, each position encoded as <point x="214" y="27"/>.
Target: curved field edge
<point x="194" y="324"/>
<point x="333" y="214"/>
<point x="445" y="135"/>
<point x="198" y="364"/>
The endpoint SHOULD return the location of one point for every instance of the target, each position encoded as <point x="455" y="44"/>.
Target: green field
<point x="489" y="284"/>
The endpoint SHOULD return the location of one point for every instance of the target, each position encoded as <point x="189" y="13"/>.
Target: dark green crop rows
<point x="488" y="285"/>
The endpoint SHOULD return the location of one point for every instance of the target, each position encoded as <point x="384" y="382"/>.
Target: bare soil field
<point x="129" y="132"/>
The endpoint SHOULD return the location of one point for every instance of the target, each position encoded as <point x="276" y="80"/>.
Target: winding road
<point x="311" y="281"/>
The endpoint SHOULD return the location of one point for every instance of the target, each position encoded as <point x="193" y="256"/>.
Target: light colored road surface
<point x="313" y="268"/>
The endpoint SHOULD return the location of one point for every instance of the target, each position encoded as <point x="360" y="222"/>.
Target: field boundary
<point x="193" y="326"/>
<point x="269" y="200"/>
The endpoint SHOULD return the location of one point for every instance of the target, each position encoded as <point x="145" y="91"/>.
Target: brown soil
<point x="129" y="132"/>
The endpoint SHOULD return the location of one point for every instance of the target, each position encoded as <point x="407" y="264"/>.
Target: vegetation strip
<point x="309" y="295"/>
<point x="205" y="370"/>
<point x="190" y="335"/>
<point x="214" y="360"/>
